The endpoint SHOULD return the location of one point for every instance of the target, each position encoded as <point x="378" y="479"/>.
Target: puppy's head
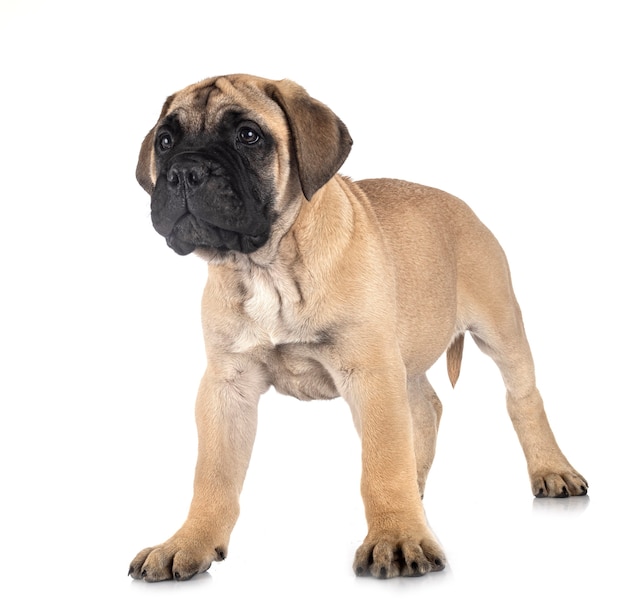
<point x="230" y="155"/>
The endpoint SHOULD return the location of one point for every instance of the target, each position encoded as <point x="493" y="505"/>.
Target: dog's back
<point x="455" y="262"/>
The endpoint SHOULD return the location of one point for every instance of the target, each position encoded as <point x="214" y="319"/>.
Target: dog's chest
<point x="271" y="308"/>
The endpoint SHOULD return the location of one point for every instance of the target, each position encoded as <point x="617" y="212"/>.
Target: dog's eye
<point x="248" y="136"/>
<point x="165" y="142"/>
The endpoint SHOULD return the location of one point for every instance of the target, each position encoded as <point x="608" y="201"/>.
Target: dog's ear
<point x="320" y="139"/>
<point x="143" y="173"/>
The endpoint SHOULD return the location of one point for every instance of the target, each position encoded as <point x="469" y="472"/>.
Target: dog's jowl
<point x="325" y="287"/>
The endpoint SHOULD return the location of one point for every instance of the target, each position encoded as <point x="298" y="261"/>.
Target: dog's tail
<point x="454" y="355"/>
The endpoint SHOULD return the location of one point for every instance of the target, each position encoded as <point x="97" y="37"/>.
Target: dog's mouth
<point x="210" y="201"/>
<point x="188" y="234"/>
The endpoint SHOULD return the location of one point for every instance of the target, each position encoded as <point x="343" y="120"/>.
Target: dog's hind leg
<point x="426" y="412"/>
<point x="498" y="330"/>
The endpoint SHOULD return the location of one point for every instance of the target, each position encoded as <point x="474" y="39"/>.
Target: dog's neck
<point x="297" y="233"/>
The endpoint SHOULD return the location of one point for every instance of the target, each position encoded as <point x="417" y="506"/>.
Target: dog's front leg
<point x="399" y="541"/>
<point x="226" y="417"/>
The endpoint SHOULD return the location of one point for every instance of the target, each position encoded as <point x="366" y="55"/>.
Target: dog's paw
<point x="179" y="559"/>
<point x="387" y="557"/>
<point x="559" y="484"/>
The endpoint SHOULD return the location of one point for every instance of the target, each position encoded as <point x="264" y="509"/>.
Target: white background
<point x="518" y="108"/>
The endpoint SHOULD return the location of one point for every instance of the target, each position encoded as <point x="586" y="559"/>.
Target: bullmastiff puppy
<point x="325" y="287"/>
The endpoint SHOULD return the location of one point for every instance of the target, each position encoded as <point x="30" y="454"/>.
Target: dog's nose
<point x="189" y="175"/>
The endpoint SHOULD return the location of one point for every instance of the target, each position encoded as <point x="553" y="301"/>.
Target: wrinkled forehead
<point x="201" y="107"/>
